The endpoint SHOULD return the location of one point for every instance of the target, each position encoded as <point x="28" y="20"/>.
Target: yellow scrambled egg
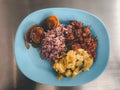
<point x="73" y="63"/>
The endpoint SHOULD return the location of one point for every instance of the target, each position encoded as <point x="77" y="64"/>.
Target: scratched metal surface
<point x="13" y="11"/>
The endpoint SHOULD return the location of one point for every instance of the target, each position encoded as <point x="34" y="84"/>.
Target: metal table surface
<point x="12" y="13"/>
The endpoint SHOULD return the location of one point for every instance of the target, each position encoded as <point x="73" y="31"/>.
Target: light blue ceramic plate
<point x="38" y="70"/>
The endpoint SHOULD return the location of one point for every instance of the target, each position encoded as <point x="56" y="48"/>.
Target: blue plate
<point x="38" y="70"/>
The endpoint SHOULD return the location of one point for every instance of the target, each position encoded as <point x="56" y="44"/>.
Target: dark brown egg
<point x="50" y="22"/>
<point x="34" y="36"/>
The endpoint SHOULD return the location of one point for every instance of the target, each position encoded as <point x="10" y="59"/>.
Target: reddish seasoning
<point x="81" y="37"/>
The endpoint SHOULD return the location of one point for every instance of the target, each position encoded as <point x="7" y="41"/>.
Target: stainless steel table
<point x="13" y="11"/>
